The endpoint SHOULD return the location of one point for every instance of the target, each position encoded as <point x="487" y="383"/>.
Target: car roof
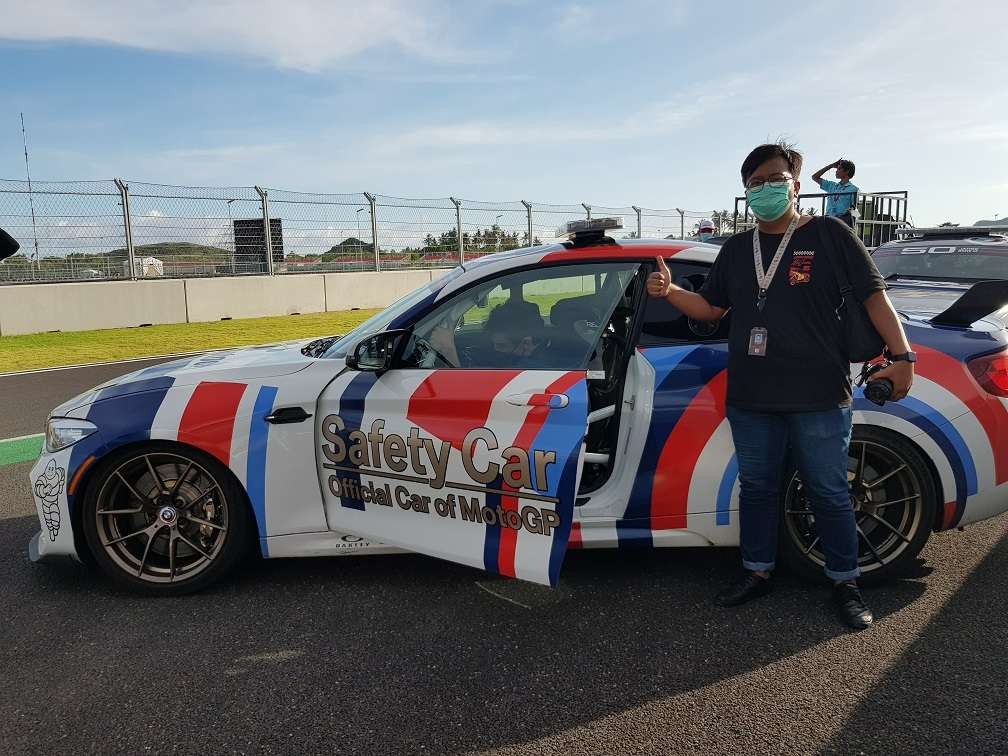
<point x="617" y="249"/>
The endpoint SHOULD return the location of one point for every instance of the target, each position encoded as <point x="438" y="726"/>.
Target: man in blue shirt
<point x="843" y="194"/>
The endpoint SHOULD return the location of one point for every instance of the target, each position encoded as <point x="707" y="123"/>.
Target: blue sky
<point x="651" y="103"/>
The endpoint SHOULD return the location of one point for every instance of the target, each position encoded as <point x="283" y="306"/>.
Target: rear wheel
<point x="895" y="504"/>
<point x="165" y="520"/>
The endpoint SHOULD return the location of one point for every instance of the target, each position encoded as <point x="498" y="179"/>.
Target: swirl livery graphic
<point x="48" y="487"/>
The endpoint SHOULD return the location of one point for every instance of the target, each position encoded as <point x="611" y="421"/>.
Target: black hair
<point x="848" y="166"/>
<point x="765" y="152"/>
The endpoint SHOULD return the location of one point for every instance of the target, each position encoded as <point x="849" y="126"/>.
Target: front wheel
<point x="895" y="504"/>
<point x="165" y="520"/>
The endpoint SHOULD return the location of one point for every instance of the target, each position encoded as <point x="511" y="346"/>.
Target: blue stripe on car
<point x="255" y="472"/>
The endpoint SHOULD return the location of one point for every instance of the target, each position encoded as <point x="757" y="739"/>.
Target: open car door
<point x="476" y="466"/>
<point x="462" y="436"/>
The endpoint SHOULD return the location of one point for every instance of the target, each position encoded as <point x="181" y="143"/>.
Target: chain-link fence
<point x="68" y="231"/>
<point x="104" y="230"/>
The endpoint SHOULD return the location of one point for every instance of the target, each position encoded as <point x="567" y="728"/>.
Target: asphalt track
<point x="405" y="654"/>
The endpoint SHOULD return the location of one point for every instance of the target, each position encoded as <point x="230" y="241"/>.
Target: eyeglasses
<point x="776" y="180"/>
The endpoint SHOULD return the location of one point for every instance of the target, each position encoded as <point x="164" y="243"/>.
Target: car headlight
<point x="62" y="432"/>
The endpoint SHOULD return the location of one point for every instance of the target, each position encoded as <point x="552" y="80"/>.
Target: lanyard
<point x="765" y="277"/>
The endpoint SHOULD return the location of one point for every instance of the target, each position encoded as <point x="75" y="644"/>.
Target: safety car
<point x="521" y="405"/>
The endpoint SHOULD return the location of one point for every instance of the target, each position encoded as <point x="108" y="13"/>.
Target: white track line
<point x="101" y="364"/>
<point x="494" y="593"/>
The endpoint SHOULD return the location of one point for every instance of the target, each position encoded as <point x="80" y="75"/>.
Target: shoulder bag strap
<point x="833" y="250"/>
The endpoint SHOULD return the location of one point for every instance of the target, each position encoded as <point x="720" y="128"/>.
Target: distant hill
<point x="1002" y="222"/>
<point x="175" y="250"/>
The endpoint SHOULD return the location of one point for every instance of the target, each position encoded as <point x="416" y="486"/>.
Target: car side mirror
<point x="8" y="245"/>
<point x="376" y="352"/>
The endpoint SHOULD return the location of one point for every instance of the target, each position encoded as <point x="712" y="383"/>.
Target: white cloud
<point x="651" y="120"/>
<point x="309" y="35"/>
<point x="608" y="21"/>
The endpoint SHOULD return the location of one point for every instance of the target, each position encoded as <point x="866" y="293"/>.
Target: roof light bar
<point x="953" y="231"/>
<point x="589" y="226"/>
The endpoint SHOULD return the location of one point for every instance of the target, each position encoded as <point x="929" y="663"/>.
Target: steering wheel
<point x="685" y="282"/>
<point x="703" y="328"/>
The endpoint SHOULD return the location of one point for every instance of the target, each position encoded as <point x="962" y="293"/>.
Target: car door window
<point x="540" y="318"/>
<point x="664" y="324"/>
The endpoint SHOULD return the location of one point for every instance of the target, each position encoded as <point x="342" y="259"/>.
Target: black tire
<point x="128" y="522"/>
<point x="899" y="471"/>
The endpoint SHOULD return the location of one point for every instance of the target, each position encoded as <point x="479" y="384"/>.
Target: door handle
<point x="286" y="415"/>
<point x="553" y="401"/>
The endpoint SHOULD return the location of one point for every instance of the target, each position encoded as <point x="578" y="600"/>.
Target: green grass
<point x="42" y="350"/>
<point x="20" y="450"/>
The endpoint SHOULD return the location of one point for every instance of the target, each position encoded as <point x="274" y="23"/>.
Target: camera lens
<point x="879" y="391"/>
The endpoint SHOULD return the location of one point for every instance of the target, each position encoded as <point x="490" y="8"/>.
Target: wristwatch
<point x="906" y="357"/>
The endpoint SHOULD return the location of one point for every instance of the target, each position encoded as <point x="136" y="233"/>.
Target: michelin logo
<point x="48" y="487"/>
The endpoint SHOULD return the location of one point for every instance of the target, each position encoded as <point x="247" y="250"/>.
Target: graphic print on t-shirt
<point x="800" y="271"/>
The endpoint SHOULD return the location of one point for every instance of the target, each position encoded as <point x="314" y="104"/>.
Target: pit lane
<point x="398" y="654"/>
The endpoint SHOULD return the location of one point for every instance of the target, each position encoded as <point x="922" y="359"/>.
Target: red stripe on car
<point x="208" y="420"/>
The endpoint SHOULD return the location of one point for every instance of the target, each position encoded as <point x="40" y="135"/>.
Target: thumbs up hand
<point x="660" y="282"/>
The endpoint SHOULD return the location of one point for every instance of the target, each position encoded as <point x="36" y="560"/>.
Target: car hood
<point x="269" y="361"/>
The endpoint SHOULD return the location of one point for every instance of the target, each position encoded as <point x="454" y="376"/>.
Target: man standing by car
<point x="842" y="193"/>
<point x="789" y="386"/>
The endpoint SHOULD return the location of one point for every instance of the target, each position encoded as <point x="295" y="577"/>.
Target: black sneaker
<point x="851" y="607"/>
<point x="748" y="587"/>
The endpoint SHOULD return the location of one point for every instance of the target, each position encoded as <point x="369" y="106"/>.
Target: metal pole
<point x="123" y="188"/>
<point x="528" y="216"/>
<point x="640" y="228"/>
<point x="374" y="229"/>
<point x="587" y="209"/>
<point x="234" y="249"/>
<point x="682" y="223"/>
<point x="360" y="242"/>
<point x="266" y="229"/>
<point x="458" y="228"/>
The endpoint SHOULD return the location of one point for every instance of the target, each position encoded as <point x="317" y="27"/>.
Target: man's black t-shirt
<point x="805" y="368"/>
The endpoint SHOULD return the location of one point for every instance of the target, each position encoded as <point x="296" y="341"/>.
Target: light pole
<point x="360" y="244"/>
<point x="497" y="230"/>
<point x="234" y="250"/>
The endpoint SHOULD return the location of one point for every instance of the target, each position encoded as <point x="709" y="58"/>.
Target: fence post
<point x="640" y="227"/>
<point x="266" y="228"/>
<point x="458" y="228"/>
<point x="682" y="223"/>
<point x="374" y="229"/>
<point x="528" y="220"/>
<point x="123" y="188"/>
<point x="587" y="209"/>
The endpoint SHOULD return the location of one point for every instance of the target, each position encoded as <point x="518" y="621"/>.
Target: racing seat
<point x="571" y="343"/>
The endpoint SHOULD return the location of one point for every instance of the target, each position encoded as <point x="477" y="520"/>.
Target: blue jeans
<point x="818" y="442"/>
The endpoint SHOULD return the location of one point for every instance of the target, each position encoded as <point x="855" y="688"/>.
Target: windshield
<point x="381" y="321"/>
<point x="945" y="262"/>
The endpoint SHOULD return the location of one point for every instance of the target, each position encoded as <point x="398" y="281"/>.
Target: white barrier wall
<point x="346" y="290"/>
<point x="37" y="308"/>
<point x="254" y="296"/>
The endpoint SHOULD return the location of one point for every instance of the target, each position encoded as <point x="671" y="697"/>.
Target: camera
<point x="879" y="391"/>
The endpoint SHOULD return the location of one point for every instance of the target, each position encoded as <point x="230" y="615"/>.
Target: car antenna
<point x="31" y="200"/>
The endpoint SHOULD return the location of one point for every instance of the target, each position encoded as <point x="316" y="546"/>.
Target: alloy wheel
<point x="887" y="501"/>
<point x="162" y="517"/>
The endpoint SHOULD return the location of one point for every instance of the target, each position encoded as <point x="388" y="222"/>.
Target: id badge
<point x="757" y="342"/>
